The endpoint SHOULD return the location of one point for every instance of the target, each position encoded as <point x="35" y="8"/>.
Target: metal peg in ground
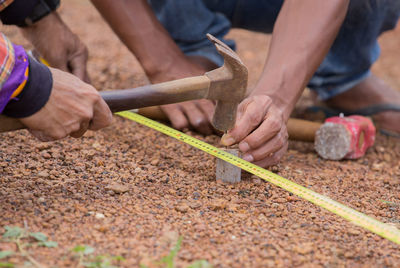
<point x="344" y="137"/>
<point x="227" y="172"/>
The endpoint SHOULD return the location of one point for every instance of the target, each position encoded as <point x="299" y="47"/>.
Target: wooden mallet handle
<point x="298" y="129"/>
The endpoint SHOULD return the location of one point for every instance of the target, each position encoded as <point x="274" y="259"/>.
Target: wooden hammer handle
<point x="298" y="129"/>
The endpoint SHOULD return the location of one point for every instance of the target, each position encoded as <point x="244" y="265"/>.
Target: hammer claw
<point x="223" y="48"/>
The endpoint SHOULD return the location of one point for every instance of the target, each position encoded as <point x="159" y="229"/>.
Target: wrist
<point x="284" y="91"/>
<point x="35" y="94"/>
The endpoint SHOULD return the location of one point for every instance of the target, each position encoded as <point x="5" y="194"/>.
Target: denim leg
<point x="253" y="15"/>
<point x="347" y="63"/>
<point x="355" y="48"/>
<point x="188" y="22"/>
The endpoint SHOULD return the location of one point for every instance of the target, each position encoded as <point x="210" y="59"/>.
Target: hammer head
<point x="228" y="86"/>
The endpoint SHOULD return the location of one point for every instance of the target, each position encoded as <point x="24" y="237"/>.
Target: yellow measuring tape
<point x="389" y="232"/>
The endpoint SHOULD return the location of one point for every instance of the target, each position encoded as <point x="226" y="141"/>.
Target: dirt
<point x="128" y="190"/>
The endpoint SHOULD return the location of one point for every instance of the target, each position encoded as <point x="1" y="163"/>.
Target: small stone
<point x="99" y="216"/>
<point x="182" y="208"/>
<point x="43" y="146"/>
<point x="387" y="157"/>
<point x="154" y="162"/>
<point x="303" y="249"/>
<point x="353" y="232"/>
<point x="43" y="174"/>
<point x="376" y="166"/>
<point x="117" y="188"/>
<point x="96" y="145"/>
<point x="137" y="170"/>
<point x="194" y="205"/>
<point x="280" y="200"/>
<point x="256" y="180"/>
<point x="380" y="149"/>
<point x="46" y="155"/>
<point x="102" y="228"/>
<point x="218" y="204"/>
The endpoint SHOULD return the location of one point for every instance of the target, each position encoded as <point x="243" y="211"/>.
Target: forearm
<point x="138" y="28"/>
<point x="302" y="36"/>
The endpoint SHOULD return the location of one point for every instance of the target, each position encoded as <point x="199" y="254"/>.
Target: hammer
<point x="226" y="85"/>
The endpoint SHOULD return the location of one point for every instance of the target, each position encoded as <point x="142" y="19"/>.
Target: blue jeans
<point x="347" y="63"/>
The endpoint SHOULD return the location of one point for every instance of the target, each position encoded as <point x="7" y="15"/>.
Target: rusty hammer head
<point x="228" y="86"/>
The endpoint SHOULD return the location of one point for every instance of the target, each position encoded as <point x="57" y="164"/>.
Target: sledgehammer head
<point x="228" y="86"/>
<point x="344" y="137"/>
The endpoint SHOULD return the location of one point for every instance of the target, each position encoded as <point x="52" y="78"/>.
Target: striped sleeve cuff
<point x="34" y="95"/>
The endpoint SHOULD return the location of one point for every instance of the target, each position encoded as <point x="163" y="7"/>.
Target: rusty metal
<point x="226" y="85"/>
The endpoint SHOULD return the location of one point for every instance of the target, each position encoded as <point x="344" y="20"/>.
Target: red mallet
<point x="344" y="137"/>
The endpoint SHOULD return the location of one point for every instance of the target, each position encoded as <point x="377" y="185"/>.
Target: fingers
<point x="41" y="136"/>
<point x="176" y="116"/>
<point x="197" y="118"/>
<point x="269" y="129"/>
<point x="207" y="107"/>
<point x="260" y="130"/>
<point x="196" y="114"/>
<point x="251" y="113"/>
<point x="274" y="158"/>
<point x="102" y="116"/>
<point x="268" y="148"/>
<point x="77" y="64"/>
<point x="79" y="133"/>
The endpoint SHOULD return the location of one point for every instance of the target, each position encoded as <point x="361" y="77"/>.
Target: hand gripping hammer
<point x="225" y="85"/>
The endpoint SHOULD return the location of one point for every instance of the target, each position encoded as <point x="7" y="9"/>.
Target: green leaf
<point x="169" y="260"/>
<point x="118" y="258"/>
<point x="143" y="266"/>
<point x="39" y="236"/>
<point x="6" y="264"/>
<point x="6" y="253"/>
<point x="200" y="264"/>
<point x="12" y="232"/>
<point x="86" y="250"/>
<point x="91" y="264"/>
<point x="48" y="244"/>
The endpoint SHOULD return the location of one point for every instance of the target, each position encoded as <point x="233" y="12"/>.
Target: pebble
<point x="99" y="216"/>
<point x="43" y="174"/>
<point x="117" y="188"/>
<point x="304" y="249"/>
<point x="182" y="208"/>
<point x="218" y="204"/>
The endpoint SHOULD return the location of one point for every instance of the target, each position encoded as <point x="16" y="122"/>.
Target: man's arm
<point x="138" y="28"/>
<point x="40" y="24"/>
<point x="303" y="33"/>
<point x="51" y="103"/>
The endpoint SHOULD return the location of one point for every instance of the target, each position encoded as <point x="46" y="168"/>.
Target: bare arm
<point x="303" y="33"/>
<point x="138" y="28"/>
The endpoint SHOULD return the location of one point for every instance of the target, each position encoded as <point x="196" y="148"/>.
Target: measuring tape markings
<point x="389" y="232"/>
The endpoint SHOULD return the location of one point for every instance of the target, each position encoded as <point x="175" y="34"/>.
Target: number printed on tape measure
<point x="389" y="232"/>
